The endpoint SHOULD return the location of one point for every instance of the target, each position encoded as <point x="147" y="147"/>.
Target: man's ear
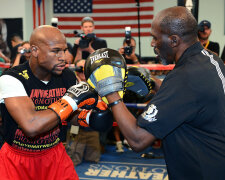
<point x="34" y="51"/>
<point x="174" y="40"/>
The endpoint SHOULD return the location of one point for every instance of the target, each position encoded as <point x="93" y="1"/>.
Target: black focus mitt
<point x="105" y="71"/>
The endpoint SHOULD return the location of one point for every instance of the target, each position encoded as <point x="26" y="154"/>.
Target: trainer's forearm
<point x="137" y="137"/>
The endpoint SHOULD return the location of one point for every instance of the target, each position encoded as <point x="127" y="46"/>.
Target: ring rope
<point x="4" y="65"/>
<point x="148" y="66"/>
<point x="136" y="105"/>
<point x="154" y="66"/>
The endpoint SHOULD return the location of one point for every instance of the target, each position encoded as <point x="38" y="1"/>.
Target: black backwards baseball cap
<point x="205" y="23"/>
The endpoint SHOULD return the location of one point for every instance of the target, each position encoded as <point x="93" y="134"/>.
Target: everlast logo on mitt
<point x="99" y="57"/>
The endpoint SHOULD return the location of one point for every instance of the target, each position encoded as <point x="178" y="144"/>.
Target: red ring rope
<point x="148" y="66"/>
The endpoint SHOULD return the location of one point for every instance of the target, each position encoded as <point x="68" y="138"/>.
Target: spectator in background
<point x="79" y="70"/>
<point x="16" y="41"/>
<point x="69" y="54"/>
<point x="81" y="51"/>
<point x="3" y="30"/>
<point x="3" y="39"/>
<point x="223" y="54"/>
<point x="128" y="51"/>
<point x="3" y="59"/>
<point x="23" y="53"/>
<point x="4" y="53"/>
<point x="119" y="143"/>
<point x="204" y="32"/>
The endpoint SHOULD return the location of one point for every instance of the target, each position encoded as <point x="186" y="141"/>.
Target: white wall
<point x="208" y="9"/>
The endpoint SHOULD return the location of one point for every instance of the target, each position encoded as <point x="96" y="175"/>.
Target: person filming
<point x="87" y="42"/>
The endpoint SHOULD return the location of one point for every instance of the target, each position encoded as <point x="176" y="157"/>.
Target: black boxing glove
<point x="139" y="84"/>
<point x="105" y="71"/>
<point x="77" y="96"/>
<point x="99" y="119"/>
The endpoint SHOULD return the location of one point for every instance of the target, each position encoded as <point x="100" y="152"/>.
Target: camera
<point x="22" y="51"/>
<point x="85" y="39"/>
<point x="128" y="49"/>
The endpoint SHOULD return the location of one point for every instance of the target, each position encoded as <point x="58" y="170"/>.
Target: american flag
<point x="110" y="16"/>
<point x="38" y="13"/>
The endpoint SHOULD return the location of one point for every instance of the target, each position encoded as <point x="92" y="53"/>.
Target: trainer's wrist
<point x="115" y="103"/>
<point x="62" y="108"/>
<point x="112" y="97"/>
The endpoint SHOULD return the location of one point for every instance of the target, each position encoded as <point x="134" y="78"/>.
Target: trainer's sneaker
<point x="125" y="143"/>
<point x="119" y="146"/>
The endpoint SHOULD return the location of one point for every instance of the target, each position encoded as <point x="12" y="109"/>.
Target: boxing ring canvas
<point x="124" y="166"/>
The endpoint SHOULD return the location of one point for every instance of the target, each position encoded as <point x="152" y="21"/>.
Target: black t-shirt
<point x="223" y="54"/>
<point x="188" y="113"/>
<point x="214" y="47"/>
<point x="42" y="95"/>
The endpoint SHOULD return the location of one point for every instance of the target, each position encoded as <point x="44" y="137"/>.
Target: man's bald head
<point x="178" y="21"/>
<point x="47" y="35"/>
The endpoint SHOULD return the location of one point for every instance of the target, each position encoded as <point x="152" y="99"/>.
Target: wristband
<point x="62" y="109"/>
<point x="115" y="102"/>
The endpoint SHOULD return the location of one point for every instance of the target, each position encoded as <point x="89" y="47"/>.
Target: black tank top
<point x="42" y="95"/>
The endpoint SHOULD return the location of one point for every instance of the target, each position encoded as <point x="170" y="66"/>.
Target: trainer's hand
<point x="77" y="96"/>
<point x="139" y="84"/>
<point x="105" y="71"/>
<point x="99" y="119"/>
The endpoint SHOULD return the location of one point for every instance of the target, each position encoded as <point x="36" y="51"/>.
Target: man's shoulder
<point x="20" y="72"/>
<point x="16" y="69"/>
